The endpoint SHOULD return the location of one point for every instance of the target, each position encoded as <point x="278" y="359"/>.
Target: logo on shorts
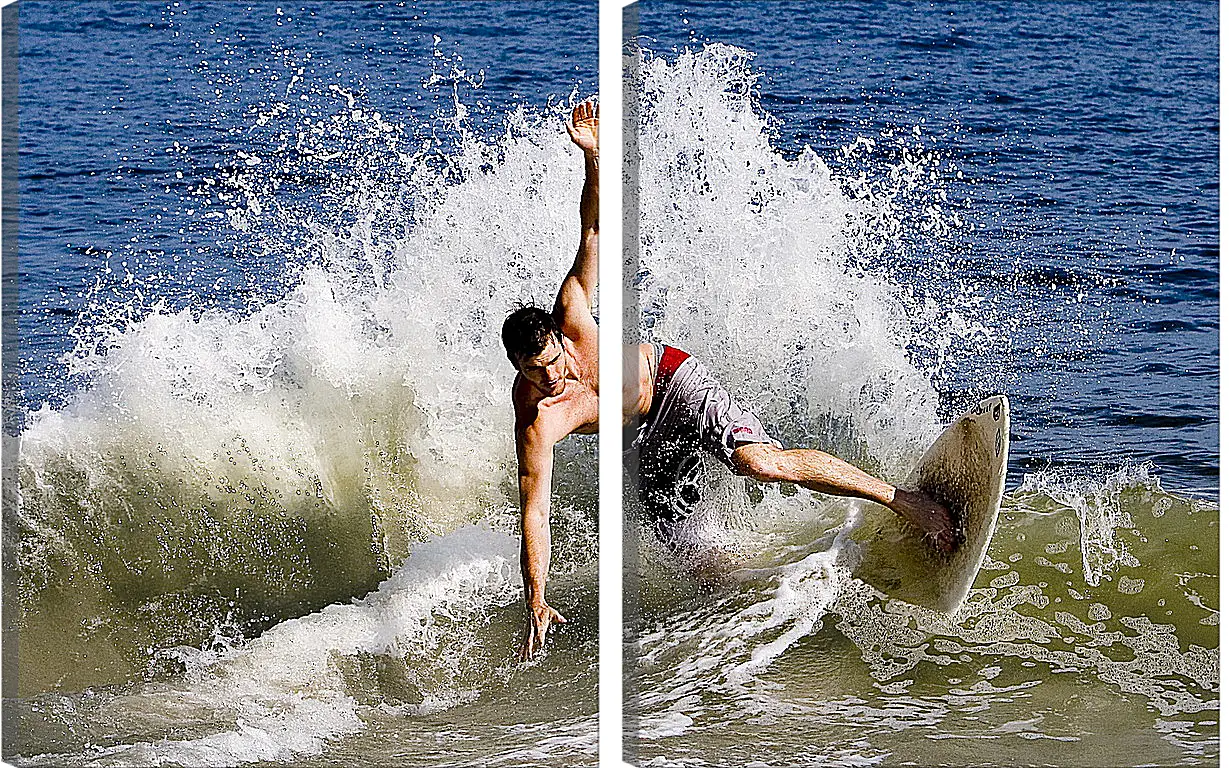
<point x="742" y="430"/>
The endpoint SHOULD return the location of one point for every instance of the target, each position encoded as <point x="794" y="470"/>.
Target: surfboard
<point x="965" y="469"/>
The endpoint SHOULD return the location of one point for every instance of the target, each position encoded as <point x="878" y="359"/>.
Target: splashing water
<point x="758" y="264"/>
<point x="222" y="470"/>
<point x="772" y="268"/>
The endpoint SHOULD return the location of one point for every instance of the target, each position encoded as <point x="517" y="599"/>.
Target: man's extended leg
<point x="822" y="472"/>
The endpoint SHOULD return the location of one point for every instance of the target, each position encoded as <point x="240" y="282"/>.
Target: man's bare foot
<point x="932" y="518"/>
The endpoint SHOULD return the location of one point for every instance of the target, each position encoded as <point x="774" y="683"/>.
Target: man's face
<point x="546" y="369"/>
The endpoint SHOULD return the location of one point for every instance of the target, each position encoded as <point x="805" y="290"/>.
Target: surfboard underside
<point x="965" y="469"/>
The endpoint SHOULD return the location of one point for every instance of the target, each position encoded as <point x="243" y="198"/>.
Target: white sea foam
<point x="287" y="451"/>
<point x="762" y="265"/>
<point x="289" y="692"/>
<point x="375" y="388"/>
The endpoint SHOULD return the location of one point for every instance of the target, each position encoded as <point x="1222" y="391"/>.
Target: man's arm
<point x="574" y="304"/>
<point x="535" y="457"/>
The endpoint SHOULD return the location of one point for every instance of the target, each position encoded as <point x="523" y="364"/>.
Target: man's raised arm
<point x="576" y="293"/>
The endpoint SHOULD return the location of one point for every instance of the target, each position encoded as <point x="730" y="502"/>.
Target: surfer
<point x="683" y="410"/>
<point x="555" y="393"/>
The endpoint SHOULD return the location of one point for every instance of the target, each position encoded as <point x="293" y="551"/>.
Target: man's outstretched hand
<point x="537" y="625"/>
<point x="583" y="128"/>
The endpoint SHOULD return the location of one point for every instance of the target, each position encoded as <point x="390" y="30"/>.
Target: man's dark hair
<point x="527" y="331"/>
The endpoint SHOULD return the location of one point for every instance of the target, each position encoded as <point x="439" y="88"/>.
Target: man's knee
<point x="758" y="461"/>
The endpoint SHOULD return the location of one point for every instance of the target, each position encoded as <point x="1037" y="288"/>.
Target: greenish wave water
<point x="1090" y="638"/>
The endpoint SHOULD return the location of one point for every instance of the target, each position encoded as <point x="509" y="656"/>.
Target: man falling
<point x="681" y="411"/>
<point x="556" y="389"/>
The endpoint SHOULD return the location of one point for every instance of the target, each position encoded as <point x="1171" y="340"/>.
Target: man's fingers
<point x="537" y="629"/>
<point x="586" y="110"/>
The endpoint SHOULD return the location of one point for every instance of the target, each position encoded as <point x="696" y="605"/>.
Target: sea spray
<point x="1101" y="514"/>
<point x="269" y="460"/>
<point x="776" y="269"/>
<point x="761" y="265"/>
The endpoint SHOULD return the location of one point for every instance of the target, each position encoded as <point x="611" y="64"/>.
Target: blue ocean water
<point x="1078" y="143"/>
<point x="126" y="108"/>
<point x="864" y="217"/>
<point x="266" y="509"/>
<point x="1085" y="183"/>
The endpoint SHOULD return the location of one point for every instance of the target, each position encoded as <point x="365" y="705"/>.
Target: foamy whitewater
<point x="1091" y="634"/>
<point x="272" y="519"/>
<point x="288" y="532"/>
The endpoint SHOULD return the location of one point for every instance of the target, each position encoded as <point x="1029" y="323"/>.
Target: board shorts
<point x="691" y="414"/>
